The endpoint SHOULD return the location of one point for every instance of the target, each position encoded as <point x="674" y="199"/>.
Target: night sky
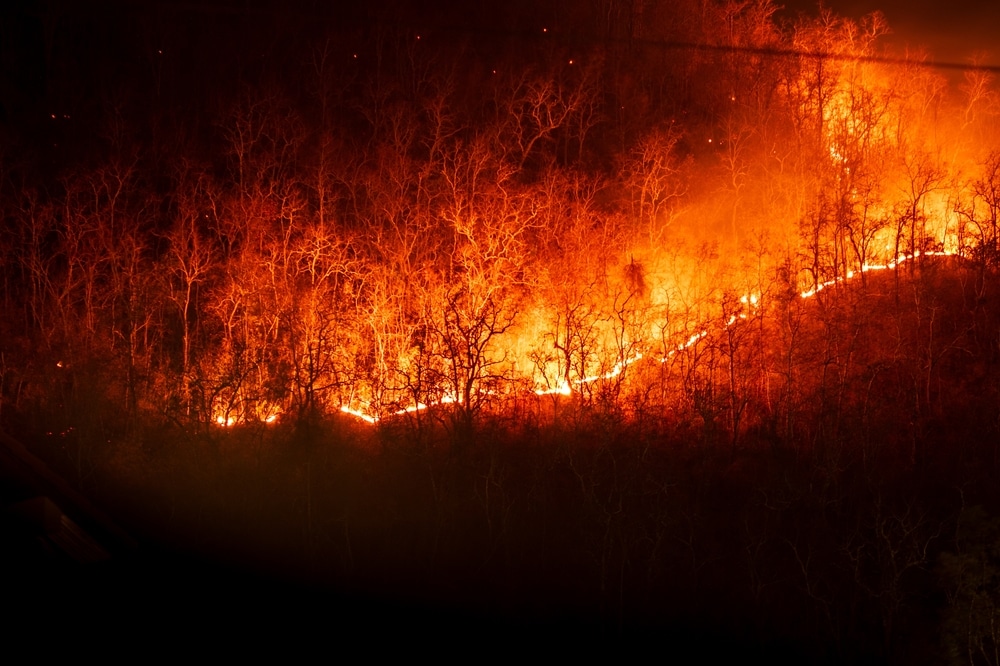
<point x="54" y="50"/>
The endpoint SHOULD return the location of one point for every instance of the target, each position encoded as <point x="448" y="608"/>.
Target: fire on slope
<point x="749" y="305"/>
<point x="231" y="412"/>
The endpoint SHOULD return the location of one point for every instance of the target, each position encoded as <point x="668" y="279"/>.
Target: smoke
<point x="960" y="32"/>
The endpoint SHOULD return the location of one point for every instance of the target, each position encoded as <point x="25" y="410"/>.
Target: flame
<point x="369" y="417"/>
<point x="867" y="268"/>
<point x="750" y="304"/>
<point x="364" y="416"/>
<point x="228" y="416"/>
<point x="566" y="388"/>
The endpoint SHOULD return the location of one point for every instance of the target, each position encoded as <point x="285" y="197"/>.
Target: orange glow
<point x="484" y="240"/>
<point x="867" y="268"/>
<point x="750" y="304"/>
<point x="228" y="417"/>
<point x="225" y="421"/>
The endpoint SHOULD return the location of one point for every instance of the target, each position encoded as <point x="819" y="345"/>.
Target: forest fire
<point x="749" y="302"/>
<point x="868" y="268"/>
<point x="369" y="418"/>
<point x="492" y="266"/>
<point x="657" y="300"/>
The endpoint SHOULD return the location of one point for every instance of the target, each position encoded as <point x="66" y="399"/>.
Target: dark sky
<point x="952" y="30"/>
<point x="56" y="40"/>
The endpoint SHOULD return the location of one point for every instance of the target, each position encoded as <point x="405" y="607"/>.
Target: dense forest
<point x="634" y="317"/>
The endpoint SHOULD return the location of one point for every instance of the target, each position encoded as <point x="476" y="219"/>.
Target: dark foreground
<point x="858" y="523"/>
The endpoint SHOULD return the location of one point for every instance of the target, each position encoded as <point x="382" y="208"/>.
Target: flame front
<point x="539" y="235"/>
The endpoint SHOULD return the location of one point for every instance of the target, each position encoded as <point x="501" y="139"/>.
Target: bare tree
<point x="190" y="261"/>
<point x="980" y="212"/>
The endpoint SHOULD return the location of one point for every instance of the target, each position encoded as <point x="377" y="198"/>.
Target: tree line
<point x="414" y="218"/>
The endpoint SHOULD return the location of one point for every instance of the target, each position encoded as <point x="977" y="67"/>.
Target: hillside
<point x="836" y="539"/>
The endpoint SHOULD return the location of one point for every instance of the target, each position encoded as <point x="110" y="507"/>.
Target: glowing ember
<point x="232" y="417"/>
<point x="358" y="413"/>
<point x="867" y="268"/>
<point x="564" y="388"/>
